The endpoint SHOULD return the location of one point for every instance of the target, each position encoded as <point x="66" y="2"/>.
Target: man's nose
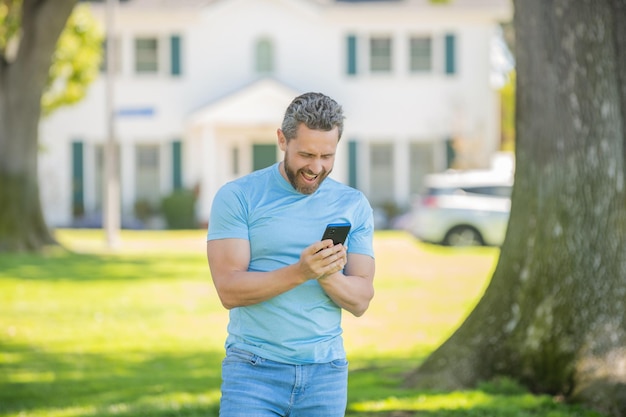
<point x="316" y="165"/>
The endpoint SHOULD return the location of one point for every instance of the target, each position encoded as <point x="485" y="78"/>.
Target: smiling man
<point x="285" y="288"/>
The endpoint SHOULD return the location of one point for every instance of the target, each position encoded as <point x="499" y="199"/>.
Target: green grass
<point x="139" y="331"/>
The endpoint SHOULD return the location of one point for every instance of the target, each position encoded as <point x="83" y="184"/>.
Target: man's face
<point x="309" y="157"/>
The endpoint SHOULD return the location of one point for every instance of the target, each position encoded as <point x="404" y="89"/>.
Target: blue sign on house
<point x="135" y="112"/>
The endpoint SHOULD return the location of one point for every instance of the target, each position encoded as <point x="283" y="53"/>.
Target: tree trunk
<point x="553" y="316"/>
<point x="22" y="80"/>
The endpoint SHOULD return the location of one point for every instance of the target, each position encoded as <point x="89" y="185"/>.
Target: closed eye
<point x="310" y="155"/>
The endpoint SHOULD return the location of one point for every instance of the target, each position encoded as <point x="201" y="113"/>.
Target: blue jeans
<point x="257" y="387"/>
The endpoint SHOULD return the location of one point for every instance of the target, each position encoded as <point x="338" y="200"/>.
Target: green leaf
<point x="76" y="61"/>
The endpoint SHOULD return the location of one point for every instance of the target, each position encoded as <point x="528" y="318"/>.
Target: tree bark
<point x="554" y="314"/>
<point x="22" y="81"/>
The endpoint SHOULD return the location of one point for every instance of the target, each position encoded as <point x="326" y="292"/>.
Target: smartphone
<point x="338" y="232"/>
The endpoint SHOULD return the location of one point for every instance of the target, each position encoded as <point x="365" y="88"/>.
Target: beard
<point x="298" y="182"/>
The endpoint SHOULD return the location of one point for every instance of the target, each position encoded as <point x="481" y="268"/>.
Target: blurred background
<point x="197" y="88"/>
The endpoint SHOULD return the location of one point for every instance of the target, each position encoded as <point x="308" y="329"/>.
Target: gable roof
<point x="262" y="102"/>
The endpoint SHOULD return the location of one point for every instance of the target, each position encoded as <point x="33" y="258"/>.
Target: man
<point x="285" y="288"/>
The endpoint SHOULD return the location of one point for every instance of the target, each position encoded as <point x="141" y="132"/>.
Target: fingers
<point x="322" y="259"/>
<point x="333" y="259"/>
<point x="324" y="244"/>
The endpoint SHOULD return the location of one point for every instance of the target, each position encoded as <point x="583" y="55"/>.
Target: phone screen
<point x="338" y="232"/>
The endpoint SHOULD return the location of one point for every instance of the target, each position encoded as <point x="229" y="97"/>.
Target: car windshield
<point x="488" y="190"/>
<point x="495" y="190"/>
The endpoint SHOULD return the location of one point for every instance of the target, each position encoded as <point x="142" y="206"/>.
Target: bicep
<point x="227" y="256"/>
<point x="360" y="265"/>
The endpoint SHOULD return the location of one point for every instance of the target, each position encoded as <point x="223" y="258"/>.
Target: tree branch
<point x="42" y="23"/>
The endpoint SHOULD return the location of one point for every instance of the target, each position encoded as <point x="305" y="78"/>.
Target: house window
<point x="381" y="173"/>
<point x="380" y="54"/>
<point x="421" y="162"/>
<point x="420" y="54"/>
<point x="264" y="56"/>
<point x="146" y="55"/>
<point x="147" y="180"/>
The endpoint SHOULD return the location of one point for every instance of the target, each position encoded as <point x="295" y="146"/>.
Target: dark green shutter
<point x="78" y="199"/>
<point x="351" y="50"/>
<point x="450" y="153"/>
<point x="352" y="163"/>
<point x="175" y="51"/>
<point x="177" y="172"/>
<point x="450" y="54"/>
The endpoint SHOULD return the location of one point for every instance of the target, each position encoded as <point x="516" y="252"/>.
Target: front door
<point x="263" y="155"/>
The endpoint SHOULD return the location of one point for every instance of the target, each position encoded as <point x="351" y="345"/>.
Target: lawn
<point x="139" y="331"/>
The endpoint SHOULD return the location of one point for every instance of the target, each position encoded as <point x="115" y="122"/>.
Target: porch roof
<point x="263" y="102"/>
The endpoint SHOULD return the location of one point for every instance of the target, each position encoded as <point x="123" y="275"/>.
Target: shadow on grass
<point x="70" y="266"/>
<point x="133" y="381"/>
<point x="141" y="383"/>
<point x="376" y="390"/>
<point x="182" y="383"/>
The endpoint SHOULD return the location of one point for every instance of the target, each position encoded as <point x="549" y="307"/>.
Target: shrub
<point x="179" y="209"/>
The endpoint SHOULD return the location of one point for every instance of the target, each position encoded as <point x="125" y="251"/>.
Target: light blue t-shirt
<point x="302" y="325"/>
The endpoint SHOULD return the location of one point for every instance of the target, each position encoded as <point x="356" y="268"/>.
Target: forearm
<point x="350" y="292"/>
<point x="243" y="288"/>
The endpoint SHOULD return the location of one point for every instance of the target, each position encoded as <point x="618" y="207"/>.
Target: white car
<point x="463" y="208"/>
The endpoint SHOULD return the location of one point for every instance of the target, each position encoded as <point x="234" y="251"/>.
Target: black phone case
<point x="338" y="232"/>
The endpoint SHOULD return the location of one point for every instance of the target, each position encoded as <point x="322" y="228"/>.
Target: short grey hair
<point x="316" y="110"/>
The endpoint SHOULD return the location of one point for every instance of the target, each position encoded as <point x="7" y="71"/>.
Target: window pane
<point x="147" y="184"/>
<point x="421" y="54"/>
<point x="381" y="174"/>
<point x="380" y="54"/>
<point x="264" y="56"/>
<point x="421" y="161"/>
<point x="146" y="55"/>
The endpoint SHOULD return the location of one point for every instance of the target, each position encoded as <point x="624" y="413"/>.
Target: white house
<point x="202" y="85"/>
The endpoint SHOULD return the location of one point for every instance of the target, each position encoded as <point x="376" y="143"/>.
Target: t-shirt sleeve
<point x="362" y="236"/>
<point x="228" y="218"/>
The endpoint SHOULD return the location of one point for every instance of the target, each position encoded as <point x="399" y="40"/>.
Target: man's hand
<point x="322" y="259"/>
<point x="237" y="287"/>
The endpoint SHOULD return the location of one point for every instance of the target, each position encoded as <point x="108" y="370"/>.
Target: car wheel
<point x="463" y="236"/>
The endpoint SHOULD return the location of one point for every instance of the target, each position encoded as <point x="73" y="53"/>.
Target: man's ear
<point x="282" y="140"/>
